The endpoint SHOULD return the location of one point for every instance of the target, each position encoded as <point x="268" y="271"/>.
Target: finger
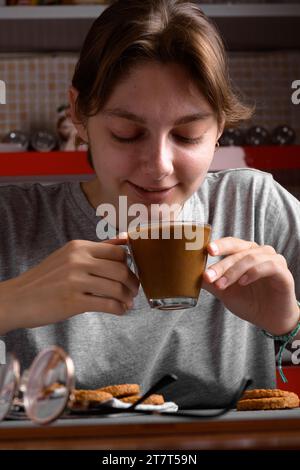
<point x="91" y="303"/>
<point x="239" y="269"/>
<point x="217" y="270"/>
<point x="108" y="288"/>
<point x="117" y="271"/>
<point x="211" y="288"/>
<point x="238" y="272"/>
<point x="108" y="249"/>
<point x="229" y="270"/>
<point x="229" y="245"/>
<point x="269" y="268"/>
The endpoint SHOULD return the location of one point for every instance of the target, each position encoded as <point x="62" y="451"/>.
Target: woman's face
<point x="156" y="131"/>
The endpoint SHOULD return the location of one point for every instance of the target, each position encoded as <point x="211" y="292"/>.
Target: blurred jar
<point x="43" y="141"/>
<point x="232" y="136"/>
<point x="16" y="137"/>
<point x="257" y="135"/>
<point x="283" y="135"/>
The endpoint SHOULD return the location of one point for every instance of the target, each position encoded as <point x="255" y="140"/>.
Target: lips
<point x="151" y="189"/>
<point x="151" y="194"/>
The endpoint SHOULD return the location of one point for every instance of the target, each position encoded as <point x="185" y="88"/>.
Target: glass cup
<point x="170" y="259"/>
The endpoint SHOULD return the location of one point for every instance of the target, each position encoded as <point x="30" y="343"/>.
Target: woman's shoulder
<point x="239" y="176"/>
<point x="247" y="184"/>
<point x="28" y="193"/>
<point x="237" y="181"/>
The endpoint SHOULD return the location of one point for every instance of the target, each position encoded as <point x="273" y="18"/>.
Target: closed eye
<point x="188" y="140"/>
<point x="124" y="139"/>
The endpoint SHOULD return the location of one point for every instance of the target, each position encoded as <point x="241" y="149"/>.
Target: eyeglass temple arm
<point x="162" y="383"/>
<point x="246" y="382"/>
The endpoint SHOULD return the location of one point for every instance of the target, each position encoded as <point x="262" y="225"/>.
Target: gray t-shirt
<point x="208" y="347"/>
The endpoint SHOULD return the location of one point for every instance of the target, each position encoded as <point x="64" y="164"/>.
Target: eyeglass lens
<point x="9" y="377"/>
<point x="49" y="384"/>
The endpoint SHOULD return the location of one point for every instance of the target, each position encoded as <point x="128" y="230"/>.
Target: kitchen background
<point x="38" y="54"/>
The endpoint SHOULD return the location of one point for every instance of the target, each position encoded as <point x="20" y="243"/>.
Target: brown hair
<point x="130" y="32"/>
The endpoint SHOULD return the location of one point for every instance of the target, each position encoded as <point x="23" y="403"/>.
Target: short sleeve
<point x="282" y="226"/>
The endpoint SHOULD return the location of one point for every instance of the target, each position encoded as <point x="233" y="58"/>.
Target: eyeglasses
<point x="45" y="392"/>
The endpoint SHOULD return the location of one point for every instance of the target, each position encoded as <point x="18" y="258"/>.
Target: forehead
<point x="158" y="89"/>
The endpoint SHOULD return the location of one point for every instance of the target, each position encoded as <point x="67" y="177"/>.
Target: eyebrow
<point x="122" y="113"/>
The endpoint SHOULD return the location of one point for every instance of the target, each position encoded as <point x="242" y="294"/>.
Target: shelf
<point x="63" y="28"/>
<point x="46" y="164"/>
<point x="51" y="12"/>
<point x="92" y="11"/>
<point x="262" y="158"/>
<point x="50" y="165"/>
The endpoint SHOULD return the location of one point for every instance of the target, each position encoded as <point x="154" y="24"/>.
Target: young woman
<point x="151" y="96"/>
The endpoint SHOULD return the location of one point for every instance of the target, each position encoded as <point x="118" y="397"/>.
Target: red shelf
<point x="273" y="158"/>
<point x="292" y="374"/>
<point x="75" y="163"/>
<point x="262" y="158"/>
<point x="44" y="163"/>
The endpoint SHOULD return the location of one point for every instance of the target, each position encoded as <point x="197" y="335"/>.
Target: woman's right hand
<point x="81" y="276"/>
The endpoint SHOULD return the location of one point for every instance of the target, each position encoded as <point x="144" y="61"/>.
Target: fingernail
<point x="214" y="248"/>
<point x="211" y="274"/>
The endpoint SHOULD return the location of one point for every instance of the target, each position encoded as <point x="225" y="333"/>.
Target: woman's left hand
<point x="254" y="283"/>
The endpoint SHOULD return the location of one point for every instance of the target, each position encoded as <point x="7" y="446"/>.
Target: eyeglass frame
<point x="28" y="402"/>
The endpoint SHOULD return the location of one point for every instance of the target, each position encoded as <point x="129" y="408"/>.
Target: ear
<point x="220" y="129"/>
<point x="80" y="126"/>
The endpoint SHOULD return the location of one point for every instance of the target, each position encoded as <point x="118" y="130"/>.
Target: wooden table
<point x="278" y="429"/>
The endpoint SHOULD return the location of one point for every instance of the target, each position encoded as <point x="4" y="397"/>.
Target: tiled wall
<point x="35" y="86"/>
<point x="38" y="84"/>
<point x="265" y="79"/>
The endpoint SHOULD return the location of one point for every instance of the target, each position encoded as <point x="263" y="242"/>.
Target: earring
<point x="217" y="144"/>
<point x="79" y="142"/>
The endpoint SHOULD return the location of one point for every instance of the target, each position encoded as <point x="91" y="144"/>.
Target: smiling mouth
<point x="151" y="190"/>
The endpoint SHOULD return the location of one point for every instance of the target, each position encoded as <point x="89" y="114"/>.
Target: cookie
<point x="264" y="393"/>
<point x="49" y="390"/>
<point x="152" y="400"/>
<point x="122" y="390"/>
<point x="94" y="396"/>
<point x="271" y="403"/>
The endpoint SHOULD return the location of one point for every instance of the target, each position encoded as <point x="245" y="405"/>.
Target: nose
<point x="157" y="161"/>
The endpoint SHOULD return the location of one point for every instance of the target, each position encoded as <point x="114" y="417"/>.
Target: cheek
<point x="194" y="164"/>
<point x="113" y="164"/>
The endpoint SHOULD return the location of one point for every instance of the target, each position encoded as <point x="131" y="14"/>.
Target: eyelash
<point x="134" y="139"/>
